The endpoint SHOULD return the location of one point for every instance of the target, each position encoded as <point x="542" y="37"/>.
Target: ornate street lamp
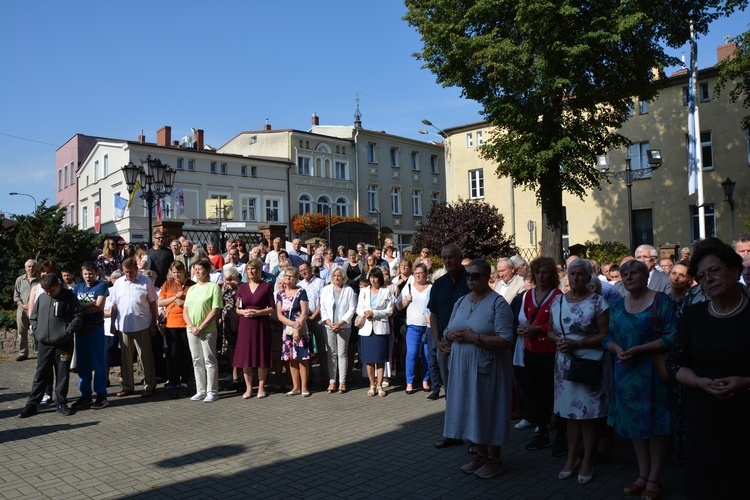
<point x="654" y="162"/>
<point x="156" y="182"/>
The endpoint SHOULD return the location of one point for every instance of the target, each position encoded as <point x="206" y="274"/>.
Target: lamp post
<point x="156" y="181"/>
<point x="24" y="194"/>
<point x="728" y="187"/>
<point x="654" y="162"/>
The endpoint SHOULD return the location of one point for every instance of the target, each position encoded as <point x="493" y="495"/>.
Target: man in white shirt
<point x="233" y="260"/>
<point x="510" y="284"/>
<point x="313" y="286"/>
<point x="272" y="257"/>
<point x="134" y="314"/>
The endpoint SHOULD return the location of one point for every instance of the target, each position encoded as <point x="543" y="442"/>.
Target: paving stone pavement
<point x="324" y="446"/>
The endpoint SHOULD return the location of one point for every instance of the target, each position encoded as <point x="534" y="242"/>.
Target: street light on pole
<point x="156" y="180"/>
<point x="654" y="162"/>
<point x="24" y="194"/>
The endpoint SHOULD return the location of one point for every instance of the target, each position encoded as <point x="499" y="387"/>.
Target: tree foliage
<point x="737" y="69"/>
<point x="40" y="236"/>
<point x="475" y="226"/>
<point x="555" y="78"/>
<point x="606" y="250"/>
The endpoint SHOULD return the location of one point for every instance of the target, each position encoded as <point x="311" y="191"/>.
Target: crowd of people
<point x="654" y="350"/>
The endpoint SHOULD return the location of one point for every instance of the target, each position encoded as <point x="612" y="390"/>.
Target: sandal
<point x="472" y="449"/>
<point x="651" y="494"/>
<point x="446" y="442"/>
<point x="633" y="489"/>
<point x="331" y="388"/>
<point x="342" y="388"/>
<point x="371" y="392"/>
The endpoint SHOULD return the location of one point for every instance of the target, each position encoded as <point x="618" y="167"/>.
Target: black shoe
<point x="22" y="357"/>
<point x="434" y="396"/>
<point x="559" y="448"/>
<point x="174" y="391"/>
<point x="539" y="442"/>
<point x="101" y="402"/>
<point x="28" y="411"/>
<point x="81" y="403"/>
<point x="63" y="409"/>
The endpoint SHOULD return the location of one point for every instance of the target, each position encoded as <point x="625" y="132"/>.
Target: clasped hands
<point x="723" y="388"/>
<point x="461" y="335"/>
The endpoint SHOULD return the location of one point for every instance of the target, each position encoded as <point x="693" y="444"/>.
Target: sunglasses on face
<point x="473" y="276"/>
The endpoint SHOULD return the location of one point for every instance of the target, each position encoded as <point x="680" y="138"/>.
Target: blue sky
<point x="114" y="68"/>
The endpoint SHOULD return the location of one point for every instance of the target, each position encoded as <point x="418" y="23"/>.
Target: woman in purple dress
<point x="254" y="305"/>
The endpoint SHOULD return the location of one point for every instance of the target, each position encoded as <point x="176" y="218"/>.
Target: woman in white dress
<point x="578" y="324"/>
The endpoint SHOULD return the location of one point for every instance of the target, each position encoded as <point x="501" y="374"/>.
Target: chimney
<point x="198" y="139"/>
<point x="164" y="136"/>
<point x="725" y="51"/>
<point x="267" y="126"/>
<point x="175" y="144"/>
<point x="315" y="119"/>
<point x="141" y="138"/>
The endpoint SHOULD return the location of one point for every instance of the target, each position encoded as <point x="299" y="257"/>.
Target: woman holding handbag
<point x="172" y="298"/>
<point x="639" y="328"/>
<point x="579" y="322"/>
<point x="375" y="306"/>
<point x="292" y="311"/>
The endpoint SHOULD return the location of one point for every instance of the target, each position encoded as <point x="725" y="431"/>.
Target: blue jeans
<point x="416" y="350"/>
<point x="91" y="356"/>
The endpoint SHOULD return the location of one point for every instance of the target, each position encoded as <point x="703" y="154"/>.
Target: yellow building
<point x="663" y="212"/>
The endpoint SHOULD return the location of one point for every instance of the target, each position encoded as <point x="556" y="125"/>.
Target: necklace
<point x="736" y="308"/>
<point x="474" y="305"/>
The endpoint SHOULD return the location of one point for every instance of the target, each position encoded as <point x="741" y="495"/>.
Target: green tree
<point x="42" y="235"/>
<point x="475" y="226"/>
<point x="555" y="78"/>
<point x="737" y="69"/>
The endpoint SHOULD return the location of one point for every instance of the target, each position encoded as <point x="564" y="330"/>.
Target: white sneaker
<point x="523" y="424"/>
<point x="536" y="429"/>
<point x="46" y="399"/>
<point x="198" y="397"/>
<point x="211" y="398"/>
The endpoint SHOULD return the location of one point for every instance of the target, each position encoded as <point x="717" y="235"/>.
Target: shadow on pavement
<point x="41" y="430"/>
<point x="213" y="453"/>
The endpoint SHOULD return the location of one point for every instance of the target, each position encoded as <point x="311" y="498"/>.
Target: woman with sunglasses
<point x="710" y="358"/>
<point x="480" y="385"/>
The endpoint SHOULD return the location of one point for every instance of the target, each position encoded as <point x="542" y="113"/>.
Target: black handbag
<point x="582" y="370"/>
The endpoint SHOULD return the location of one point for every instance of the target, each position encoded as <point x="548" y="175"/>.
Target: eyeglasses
<point x="645" y="257"/>
<point x="711" y="271"/>
<point x="473" y="276"/>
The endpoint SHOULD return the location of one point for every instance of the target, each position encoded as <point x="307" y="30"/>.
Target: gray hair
<point x="231" y="272"/>
<point x="507" y="261"/>
<point x="634" y="265"/>
<point x="596" y="284"/>
<point x="651" y="248"/>
<point x="32" y="262"/>
<point x="518" y="261"/>
<point x="582" y="263"/>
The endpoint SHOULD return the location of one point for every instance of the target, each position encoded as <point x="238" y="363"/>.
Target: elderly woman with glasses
<point x="480" y="385"/>
<point x="292" y="309"/>
<point x="641" y="327"/>
<point x="710" y="358"/>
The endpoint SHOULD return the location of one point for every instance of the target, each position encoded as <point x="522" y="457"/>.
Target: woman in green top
<point x="201" y="309"/>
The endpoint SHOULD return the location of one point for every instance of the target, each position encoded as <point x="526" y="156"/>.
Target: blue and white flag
<point x="120" y="205"/>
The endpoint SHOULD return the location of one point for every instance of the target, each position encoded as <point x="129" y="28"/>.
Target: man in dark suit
<point x="657" y="280"/>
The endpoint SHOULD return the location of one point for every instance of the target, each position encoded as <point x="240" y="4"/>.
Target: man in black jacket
<point x="55" y="318"/>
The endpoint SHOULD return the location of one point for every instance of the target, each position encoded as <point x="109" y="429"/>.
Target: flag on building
<point x="692" y="140"/>
<point x="120" y="205"/>
<point x="178" y="202"/>
<point x="159" y="209"/>
<point x="136" y="192"/>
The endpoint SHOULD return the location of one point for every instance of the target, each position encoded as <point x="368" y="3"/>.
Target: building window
<point x="707" y="149"/>
<point x="434" y="197"/>
<point x="416" y="202"/>
<point x="253" y="171"/>
<point x="84" y="217"/>
<point x="371" y="152"/>
<point x="343" y="150"/>
<point x="642" y="107"/>
<point x="394" y="156"/>
<point x="223" y="168"/>
<point x="72" y="174"/>
<point x="469" y="140"/>
<point x="480" y="139"/>
<point x="396" y="200"/>
<point x="301" y="144"/>
<point x="415" y="160"/>
<point x="703" y="92"/>
<point x="191" y="165"/>
<point x="340" y="170"/>
<point x="372" y="198"/>
<point x="105" y="166"/>
<point x="272" y="211"/>
<point x="96" y="170"/>
<point x="71" y="214"/>
<point x="324" y="205"/>
<point x="434" y="164"/>
<point x="60" y="180"/>
<point x="629" y="109"/>
<point x="247" y="208"/>
<point x="213" y="167"/>
<point x="303" y="165"/>
<point x="342" y="207"/>
<point x="639" y="160"/>
<point x="65" y="175"/>
<point x="305" y="204"/>
<point x="243" y="170"/>
<point x="708" y="216"/>
<point x="476" y="183"/>
<point x="180" y="163"/>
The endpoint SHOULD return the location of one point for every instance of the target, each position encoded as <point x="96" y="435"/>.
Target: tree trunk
<point x="552" y="219"/>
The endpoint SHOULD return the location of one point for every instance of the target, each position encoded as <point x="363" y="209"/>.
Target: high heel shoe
<point x="371" y="392"/>
<point x="342" y="388"/>
<point x="633" y="490"/>
<point x="331" y="388"/>
<point x="565" y="474"/>
<point x="586" y="479"/>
